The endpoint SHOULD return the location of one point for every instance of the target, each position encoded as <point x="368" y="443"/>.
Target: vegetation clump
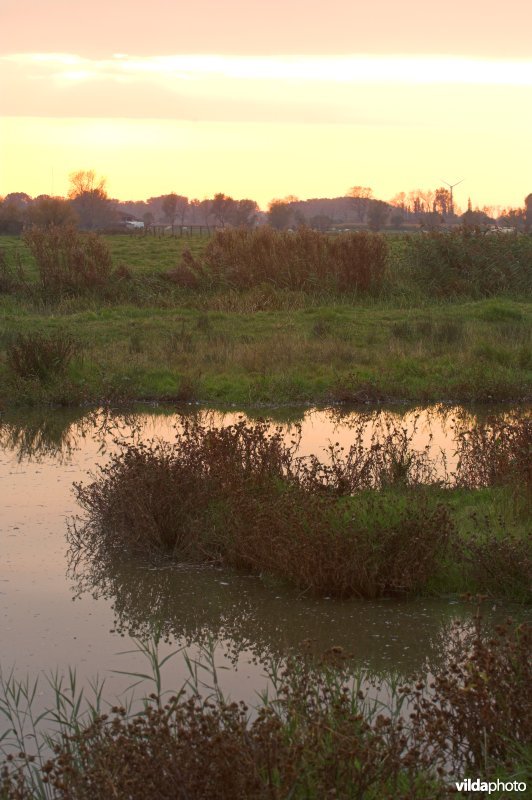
<point x="39" y="356"/>
<point x="470" y="263"/>
<point x="240" y="496"/>
<point x="69" y="262"/>
<point x="376" y="520"/>
<point x="301" y="260"/>
<point x="317" y="735"/>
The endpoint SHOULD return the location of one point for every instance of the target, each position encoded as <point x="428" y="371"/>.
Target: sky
<point x="265" y="99"/>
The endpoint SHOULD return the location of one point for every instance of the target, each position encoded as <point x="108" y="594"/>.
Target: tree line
<point x="89" y="207"/>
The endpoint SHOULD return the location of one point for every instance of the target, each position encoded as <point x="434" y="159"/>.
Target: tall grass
<point x="302" y="260"/>
<point x="69" y="262"/>
<point x="469" y="263"/>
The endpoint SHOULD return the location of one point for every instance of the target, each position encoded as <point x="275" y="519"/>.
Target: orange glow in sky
<point x="263" y="99"/>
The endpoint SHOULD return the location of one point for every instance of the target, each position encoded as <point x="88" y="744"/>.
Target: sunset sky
<point x="265" y="99"/>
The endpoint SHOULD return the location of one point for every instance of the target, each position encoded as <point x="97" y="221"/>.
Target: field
<point x="162" y="326"/>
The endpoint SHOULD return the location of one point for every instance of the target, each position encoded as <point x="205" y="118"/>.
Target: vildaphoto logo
<point x="477" y="785"/>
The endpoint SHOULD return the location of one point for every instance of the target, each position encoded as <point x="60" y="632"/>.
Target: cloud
<point x="365" y="90"/>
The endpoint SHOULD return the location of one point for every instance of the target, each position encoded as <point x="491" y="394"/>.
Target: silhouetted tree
<point x="361" y="196"/>
<point x="90" y="200"/>
<point x="169" y="207"/>
<point x="222" y="207"/>
<point x="378" y="213"/>
<point x="45" y="212"/>
<point x="244" y="213"/>
<point x="528" y="212"/>
<point x="279" y="214"/>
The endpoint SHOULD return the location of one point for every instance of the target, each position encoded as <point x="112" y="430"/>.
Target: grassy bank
<point x="468" y="351"/>
<point x="315" y="735"/>
<point x="122" y="319"/>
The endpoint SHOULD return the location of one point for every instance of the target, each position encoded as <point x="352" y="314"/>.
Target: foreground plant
<point x="316" y="735"/>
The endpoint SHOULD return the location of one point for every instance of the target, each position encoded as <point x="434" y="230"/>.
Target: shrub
<point x="35" y="355"/>
<point x="450" y="264"/>
<point x="69" y="262"/>
<point x="315" y="736"/>
<point x="238" y="495"/>
<point x="12" y="277"/>
<point x="303" y="260"/>
<point x="478" y="717"/>
<point x="497" y="452"/>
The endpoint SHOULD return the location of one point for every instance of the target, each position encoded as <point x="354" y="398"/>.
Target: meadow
<point x="264" y="318"/>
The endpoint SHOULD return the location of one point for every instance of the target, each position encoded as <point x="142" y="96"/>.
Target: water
<point x="52" y="618"/>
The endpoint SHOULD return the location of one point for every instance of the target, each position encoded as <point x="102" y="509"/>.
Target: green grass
<point x="441" y="353"/>
<point x="264" y="345"/>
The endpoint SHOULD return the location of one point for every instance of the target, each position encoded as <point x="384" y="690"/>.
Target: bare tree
<point x="361" y="196"/>
<point x="90" y="200"/>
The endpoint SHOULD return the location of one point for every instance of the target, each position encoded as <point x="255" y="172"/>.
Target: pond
<point x="53" y="617"/>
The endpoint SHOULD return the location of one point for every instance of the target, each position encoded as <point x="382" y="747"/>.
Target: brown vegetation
<point x="298" y="260"/>
<point x="315" y="738"/>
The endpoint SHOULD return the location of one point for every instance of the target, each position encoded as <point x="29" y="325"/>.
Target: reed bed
<point x="301" y="260"/>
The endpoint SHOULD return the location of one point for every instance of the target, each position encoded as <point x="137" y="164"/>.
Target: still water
<point x="52" y="617"/>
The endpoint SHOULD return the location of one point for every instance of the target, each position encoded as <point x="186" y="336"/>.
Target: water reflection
<point x="193" y="606"/>
<point x="60" y="433"/>
<point x="42" y="453"/>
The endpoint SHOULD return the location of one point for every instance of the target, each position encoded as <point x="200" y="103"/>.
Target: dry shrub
<point x="477" y="718"/>
<point x="238" y="495"/>
<point x="69" y="262"/>
<point x="497" y="452"/>
<point x="497" y="561"/>
<point x="467" y="262"/>
<point x="304" y="260"/>
<point x="12" y="276"/>
<point x="315" y="737"/>
<point x="312" y="742"/>
<point x="35" y="355"/>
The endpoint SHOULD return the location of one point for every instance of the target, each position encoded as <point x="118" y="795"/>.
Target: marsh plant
<point x="468" y="262"/>
<point x="241" y="496"/>
<point x="40" y="356"/>
<point x="301" y="260"/>
<point x="315" y="734"/>
<point x="69" y="262"/>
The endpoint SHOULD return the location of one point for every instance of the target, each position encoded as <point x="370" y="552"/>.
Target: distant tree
<point x="432" y="221"/>
<point x="279" y="214"/>
<point x="442" y="201"/>
<point x="513" y="218"/>
<point x="474" y="218"/>
<point x="361" y="196"/>
<point x="90" y="200"/>
<point x="169" y="207"/>
<point x="244" y="213"/>
<point x="378" y="214"/>
<point x="181" y="208"/>
<point x="320" y="222"/>
<point x="399" y="201"/>
<point x="13" y="212"/>
<point x="528" y="212"/>
<point x="222" y="208"/>
<point x="397" y="219"/>
<point x="46" y="212"/>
